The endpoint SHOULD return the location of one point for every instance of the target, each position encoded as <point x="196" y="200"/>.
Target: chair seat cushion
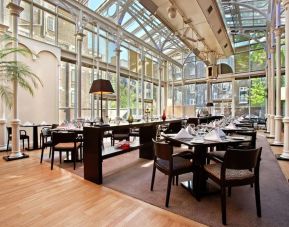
<point x="179" y="163"/>
<point x="231" y="174"/>
<point x="66" y="146"/>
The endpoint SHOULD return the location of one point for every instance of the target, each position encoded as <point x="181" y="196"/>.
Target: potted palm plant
<point x="12" y="71"/>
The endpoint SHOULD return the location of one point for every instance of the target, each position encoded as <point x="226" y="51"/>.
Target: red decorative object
<point x="164" y="117"/>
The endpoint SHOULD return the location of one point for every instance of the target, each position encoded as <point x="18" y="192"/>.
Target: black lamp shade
<point x="101" y="86"/>
<point x="209" y="104"/>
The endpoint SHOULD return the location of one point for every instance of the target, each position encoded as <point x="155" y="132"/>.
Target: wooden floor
<point x="32" y="195"/>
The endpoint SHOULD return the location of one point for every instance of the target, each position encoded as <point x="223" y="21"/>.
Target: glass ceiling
<point x="246" y="21"/>
<point x="134" y="18"/>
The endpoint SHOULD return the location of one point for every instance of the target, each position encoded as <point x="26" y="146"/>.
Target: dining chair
<point x="65" y="142"/>
<point x="23" y="136"/>
<point x="219" y="154"/>
<point x="235" y="171"/>
<point x="120" y="134"/>
<point x="170" y="164"/>
<point x="46" y="141"/>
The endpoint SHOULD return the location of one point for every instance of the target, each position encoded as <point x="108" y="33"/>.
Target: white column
<point x="3" y="121"/>
<point x="159" y="99"/>
<point x="233" y="104"/>
<point x="272" y="79"/>
<point x="79" y="39"/>
<point x="117" y="65"/>
<point x="269" y="92"/>
<point x="278" y="117"/>
<point x="285" y="154"/>
<point x="142" y="84"/>
<point x="15" y="11"/>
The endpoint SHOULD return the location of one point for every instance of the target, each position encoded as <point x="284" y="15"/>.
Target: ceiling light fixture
<point x="172" y="12"/>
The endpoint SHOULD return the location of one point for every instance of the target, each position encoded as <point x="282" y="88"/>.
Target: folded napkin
<point x="213" y="136"/>
<point x="240" y="118"/>
<point x="183" y="134"/>
<point x="236" y="122"/>
<point x="221" y="133"/>
<point x="43" y="123"/>
<point x="27" y="123"/>
<point x="190" y="130"/>
<point x="231" y="126"/>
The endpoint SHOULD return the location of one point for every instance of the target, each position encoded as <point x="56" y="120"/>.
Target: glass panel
<point x="87" y="44"/>
<point x="44" y="26"/>
<point x="133" y="61"/>
<point x="66" y="38"/>
<point x="102" y="48"/>
<point x="24" y="19"/>
<point x="111" y="53"/>
<point x="124" y="57"/>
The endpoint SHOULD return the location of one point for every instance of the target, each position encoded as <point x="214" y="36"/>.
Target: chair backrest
<point x="46" y="132"/>
<point x="121" y="131"/>
<point x="9" y="130"/>
<point x="242" y="159"/>
<point x="63" y="137"/>
<point x="252" y="134"/>
<point x="174" y="127"/>
<point x="162" y="150"/>
<point x="54" y="126"/>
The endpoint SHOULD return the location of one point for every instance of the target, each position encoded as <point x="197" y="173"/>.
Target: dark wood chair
<point x="65" y="142"/>
<point x="46" y="141"/>
<point x="174" y="127"/>
<point x="235" y="171"/>
<point x="169" y="164"/>
<point x="23" y="136"/>
<point x="219" y="154"/>
<point x="120" y="134"/>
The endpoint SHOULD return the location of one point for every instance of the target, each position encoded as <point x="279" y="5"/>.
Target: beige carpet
<point x="131" y="175"/>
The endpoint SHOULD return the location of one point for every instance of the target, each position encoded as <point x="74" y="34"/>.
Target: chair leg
<point x="74" y="158"/>
<point x="52" y="158"/>
<point x="42" y="151"/>
<point x="28" y="143"/>
<point x="153" y="178"/>
<point x="23" y="144"/>
<point x="169" y="190"/>
<point x="223" y="204"/>
<point x="257" y="197"/>
<point x="8" y="144"/>
<point x="60" y="157"/>
<point x="49" y="152"/>
<point x="229" y="191"/>
<point x="177" y="180"/>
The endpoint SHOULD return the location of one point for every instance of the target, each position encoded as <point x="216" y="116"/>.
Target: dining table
<point x="199" y="186"/>
<point x="35" y="144"/>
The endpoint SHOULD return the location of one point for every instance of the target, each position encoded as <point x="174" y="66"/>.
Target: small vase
<point x="130" y="117"/>
<point x="164" y="117"/>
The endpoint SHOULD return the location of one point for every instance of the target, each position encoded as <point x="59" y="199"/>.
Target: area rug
<point x="132" y="176"/>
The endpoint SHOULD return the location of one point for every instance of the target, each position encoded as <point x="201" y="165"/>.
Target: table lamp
<point x="209" y="104"/>
<point x="101" y="87"/>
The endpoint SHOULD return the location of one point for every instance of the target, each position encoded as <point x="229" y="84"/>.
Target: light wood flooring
<point x="33" y="195"/>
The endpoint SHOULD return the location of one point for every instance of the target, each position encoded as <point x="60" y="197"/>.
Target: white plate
<point x="236" y="137"/>
<point x="197" y="141"/>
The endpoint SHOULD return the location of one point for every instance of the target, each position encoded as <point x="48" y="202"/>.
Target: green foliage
<point x="258" y="92"/>
<point x="11" y="70"/>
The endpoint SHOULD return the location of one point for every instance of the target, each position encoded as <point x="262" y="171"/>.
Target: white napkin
<point x="236" y="122"/>
<point x="43" y="123"/>
<point x="183" y="134"/>
<point x="190" y="130"/>
<point x="27" y="123"/>
<point x="221" y="133"/>
<point x="213" y="136"/>
<point x="240" y="118"/>
<point x="231" y="126"/>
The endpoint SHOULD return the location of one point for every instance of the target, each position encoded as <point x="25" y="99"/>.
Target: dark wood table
<point x="93" y="153"/>
<point x="35" y="145"/>
<point x="198" y="185"/>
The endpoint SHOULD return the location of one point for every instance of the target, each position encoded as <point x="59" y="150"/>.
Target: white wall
<point x="43" y="106"/>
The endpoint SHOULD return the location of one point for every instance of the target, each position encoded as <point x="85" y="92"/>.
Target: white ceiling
<point x="198" y="24"/>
